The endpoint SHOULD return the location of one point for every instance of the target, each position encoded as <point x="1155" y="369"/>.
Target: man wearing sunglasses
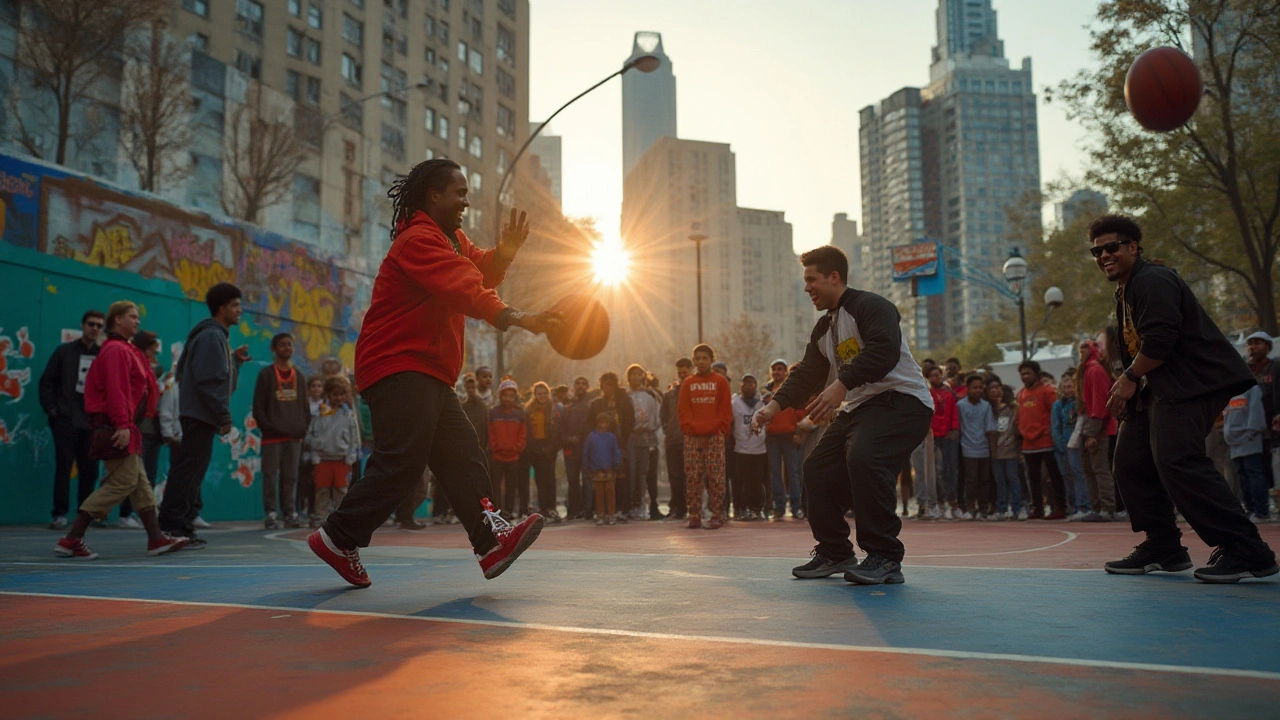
<point x="1180" y="372"/>
<point x="62" y="397"/>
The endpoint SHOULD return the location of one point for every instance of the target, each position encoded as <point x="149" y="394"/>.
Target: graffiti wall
<point x="69" y="244"/>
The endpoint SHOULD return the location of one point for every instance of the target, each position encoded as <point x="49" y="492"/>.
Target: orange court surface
<point x="646" y="620"/>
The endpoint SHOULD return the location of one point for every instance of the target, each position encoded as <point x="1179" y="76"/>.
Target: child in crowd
<point x="333" y="439"/>
<point x="508" y="436"/>
<point x="750" y="454"/>
<point x="306" y="469"/>
<point x="1065" y="418"/>
<point x="1244" y="426"/>
<point x="1008" y="449"/>
<point x="542" y="420"/>
<point x="706" y="415"/>
<point x="977" y="437"/>
<point x="601" y="461"/>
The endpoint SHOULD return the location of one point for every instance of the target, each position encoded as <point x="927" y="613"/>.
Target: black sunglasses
<point x="95" y="324"/>
<point x="1112" y="247"/>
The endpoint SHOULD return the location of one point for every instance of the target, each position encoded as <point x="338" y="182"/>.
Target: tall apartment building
<point x="374" y="87"/>
<point x="648" y="102"/>
<point x="772" y="286"/>
<point x="546" y="147"/>
<point x="845" y="235"/>
<point x="948" y="162"/>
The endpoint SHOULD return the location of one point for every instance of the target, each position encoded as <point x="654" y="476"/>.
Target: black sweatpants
<point x="71" y="447"/>
<point x="675" y="477"/>
<point x="544" y="478"/>
<point x="181" y="501"/>
<point x="856" y="463"/>
<point x="417" y="422"/>
<point x="1161" y="464"/>
<point x="1037" y="463"/>
<point x="751" y="473"/>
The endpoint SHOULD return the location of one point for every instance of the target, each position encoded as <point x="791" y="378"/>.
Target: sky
<point x="782" y="83"/>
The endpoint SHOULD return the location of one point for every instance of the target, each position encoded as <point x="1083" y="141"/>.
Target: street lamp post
<point x="643" y="63"/>
<point x="1015" y="272"/>
<point x="697" y="239"/>
<point x="1053" y="300"/>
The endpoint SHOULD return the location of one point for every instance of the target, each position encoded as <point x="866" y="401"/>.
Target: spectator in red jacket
<point x="946" y="438"/>
<point x="408" y="358"/>
<point x="705" y="416"/>
<point x="508" y="438"/>
<point x="1095" y="435"/>
<point x="1035" y="424"/>
<point x="783" y="443"/>
<point x="119" y="391"/>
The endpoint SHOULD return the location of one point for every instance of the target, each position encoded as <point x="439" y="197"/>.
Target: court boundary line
<point x="568" y="629"/>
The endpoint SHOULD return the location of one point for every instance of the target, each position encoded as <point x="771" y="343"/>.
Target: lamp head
<point x="1015" y="268"/>
<point x="1053" y="298"/>
<point x="644" y="63"/>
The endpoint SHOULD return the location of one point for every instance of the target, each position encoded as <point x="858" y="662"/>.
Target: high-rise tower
<point x="648" y="102"/>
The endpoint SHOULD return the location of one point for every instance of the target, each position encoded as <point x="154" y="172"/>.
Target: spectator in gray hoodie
<point x="1244" y="426"/>
<point x="207" y="373"/>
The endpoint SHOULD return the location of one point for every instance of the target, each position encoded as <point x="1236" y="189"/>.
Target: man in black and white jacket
<point x="859" y="366"/>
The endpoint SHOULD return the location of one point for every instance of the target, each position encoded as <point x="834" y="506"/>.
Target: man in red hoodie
<point x="408" y="358"/>
<point x="1093" y="387"/>
<point x="1035" y="420"/>
<point x="706" y="415"/>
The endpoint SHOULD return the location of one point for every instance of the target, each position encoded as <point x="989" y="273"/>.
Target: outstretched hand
<point x="513" y="236"/>
<point x="827" y="402"/>
<point x="538" y="323"/>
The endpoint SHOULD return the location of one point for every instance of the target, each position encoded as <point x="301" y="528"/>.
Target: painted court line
<point x="89" y="565"/>
<point x="925" y="652"/>
<point x="1069" y="537"/>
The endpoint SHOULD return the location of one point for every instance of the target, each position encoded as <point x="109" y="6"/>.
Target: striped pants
<point x="704" y="466"/>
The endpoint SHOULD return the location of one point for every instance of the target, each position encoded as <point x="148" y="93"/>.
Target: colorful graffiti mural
<point x="68" y="243"/>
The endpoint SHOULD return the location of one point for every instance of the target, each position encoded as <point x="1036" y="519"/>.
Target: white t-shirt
<point x="746" y="442"/>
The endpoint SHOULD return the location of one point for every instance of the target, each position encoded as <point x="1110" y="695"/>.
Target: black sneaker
<point x="412" y="525"/>
<point x="820" y="566"/>
<point x="1225" y="567"/>
<point x="1146" y="558"/>
<point x="876" y="570"/>
<point x="196" y="543"/>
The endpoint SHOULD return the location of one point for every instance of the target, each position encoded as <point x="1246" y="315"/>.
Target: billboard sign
<point x="915" y="260"/>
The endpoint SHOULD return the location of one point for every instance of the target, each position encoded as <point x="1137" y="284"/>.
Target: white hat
<point x="1263" y="336"/>
<point x="779" y="361"/>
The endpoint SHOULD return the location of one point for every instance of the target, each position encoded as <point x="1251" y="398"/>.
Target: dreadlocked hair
<point x="409" y="193"/>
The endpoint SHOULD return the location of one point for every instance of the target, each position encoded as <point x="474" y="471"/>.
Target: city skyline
<point x="806" y="121"/>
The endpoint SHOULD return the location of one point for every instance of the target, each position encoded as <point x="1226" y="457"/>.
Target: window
<point x="444" y="5"/>
<point x="393" y="79"/>
<point x="430" y="56"/>
<point x="508" y="7"/>
<point x="350" y="70"/>
<point x="293" y="84"/>
<point x="462" y="52"/>
<point x="393" y="140"/>
<point x="401" y="7"/>
<point x="249" y="64"/>
<point x="477" y="146"/>
<point x="306" y="207"/>
<point x="430" y="154"/>
<point x="199" y="7"/>
<point x="352" y="111"/>
<point x="313" y="90"/>
<point x="315" y="16"/>
<point x="506" y="46"/>
<point x="199" y="41"/>
<point x="357" y="3"/>
<point x="429" y="120"/>
<point x="429" y="26"/>
<point x="352" y="30"/>
<point x="444" y="31"/>
<point x="313" y="51"/>
<point x="502" y="161"/>
<point x="506" y="122"/>
<point x="477" y="61"/>
<point x="506" y="84"/>
<point x="249" y="18"/>
<point x="442" y="127"/>
<point x="475" y="185"/>
<point x="293" y="43"/>
<point x="295" y="8"/>
<point x="462" y="137"/>
<point x="396" y="109"/>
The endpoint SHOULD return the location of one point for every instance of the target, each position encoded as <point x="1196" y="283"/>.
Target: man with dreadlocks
<point x="407" y="359"/>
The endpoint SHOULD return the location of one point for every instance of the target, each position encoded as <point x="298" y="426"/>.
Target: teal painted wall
<point x="68" y="244"/>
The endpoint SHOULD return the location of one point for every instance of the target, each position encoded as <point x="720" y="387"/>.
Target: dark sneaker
<point x="512" y="540"/>
<point x="271" y="522"/>
<point x="195" y="543"/>
<point x="876" y="570"/>
<point x="820" y="566"/>
<point x="345" y="562"/>
<point x="412" y="525"/>
<point x="292" y="521"/>
<point x="1146" y="558"/>
<point x="695" y="523"/>
<point x="74" y="548"/>
<point x="1226" y="567"/>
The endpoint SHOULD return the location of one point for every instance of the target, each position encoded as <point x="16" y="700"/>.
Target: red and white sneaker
<point x="74" y="548"/>
<point x="166" y="544"/>
<point x="346" y="562"/>
<point x="512" y="540"/>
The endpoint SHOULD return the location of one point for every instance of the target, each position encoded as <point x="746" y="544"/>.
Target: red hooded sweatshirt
<point x="424" y="291"/>
<point x="1093" y="383"/>
<point x="117" y="383"/>
<point x="704" y="406"/>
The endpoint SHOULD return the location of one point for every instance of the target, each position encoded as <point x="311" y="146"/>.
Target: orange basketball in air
<point x="1163" y="89"/>
<point x="584" y="331"/>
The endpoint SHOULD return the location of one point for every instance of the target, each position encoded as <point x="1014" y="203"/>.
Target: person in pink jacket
<point x="119" y="391"/>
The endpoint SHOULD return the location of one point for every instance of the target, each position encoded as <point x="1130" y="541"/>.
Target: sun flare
<point x="610" y="262"/>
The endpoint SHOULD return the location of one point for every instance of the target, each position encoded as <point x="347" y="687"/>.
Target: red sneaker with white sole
<point x="166" y="544"/>
<point x="346" y="562"/>
<point x="74" y="548"/>
<point x="512" y="540"/>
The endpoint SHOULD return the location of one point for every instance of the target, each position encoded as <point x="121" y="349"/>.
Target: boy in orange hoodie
<point x="508" y="436"/>
<point x="705" y="417"/>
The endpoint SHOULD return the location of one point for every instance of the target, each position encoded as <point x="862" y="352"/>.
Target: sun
<point x="610" y="262"/>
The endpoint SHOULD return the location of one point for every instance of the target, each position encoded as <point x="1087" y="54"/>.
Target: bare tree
<point x="263" y="152"/>
<point x="155" y="108"/>
<point x="65" y="47"/>
<point x="744" y="346"/>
